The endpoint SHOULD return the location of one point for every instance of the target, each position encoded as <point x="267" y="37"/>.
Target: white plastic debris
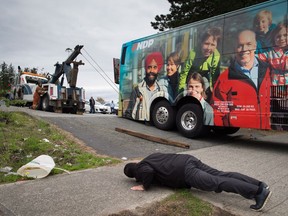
<point x="40" y="167"/>
<point x="5" y="169"/>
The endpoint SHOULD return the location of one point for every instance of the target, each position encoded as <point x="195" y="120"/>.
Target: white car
<point x="106" y="108"/>
<point x="98" y="106"/>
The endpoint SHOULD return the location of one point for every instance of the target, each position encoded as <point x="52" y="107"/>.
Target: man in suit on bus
<point x="242" y="92"/>
<point x="139" y="104"/>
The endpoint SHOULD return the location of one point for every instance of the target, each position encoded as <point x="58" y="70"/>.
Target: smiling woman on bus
<point x="172" y="67"/>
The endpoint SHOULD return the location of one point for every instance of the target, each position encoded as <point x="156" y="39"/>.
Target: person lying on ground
<point x="186" y="171"/>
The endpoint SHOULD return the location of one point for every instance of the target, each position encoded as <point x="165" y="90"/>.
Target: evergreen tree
<point x="186" y="11"/>
<point x="7" y="75"/>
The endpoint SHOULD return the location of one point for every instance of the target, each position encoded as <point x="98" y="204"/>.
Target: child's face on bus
<point x="171" y="67"/>
<point x="281" y="38"/>
<point x="245" y="49"/>
<point x="262" y="25"/>
<point x="209" y="46"/>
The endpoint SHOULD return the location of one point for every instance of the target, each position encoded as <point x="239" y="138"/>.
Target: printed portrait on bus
<point x="148" y="88"/>
<point x="241" y="59"/>
<point x="171" y="79"/>
<point x="263" y="26"/>
<point x="196" y="87"/>
<point x="204" y="58"/>
<point x="238" y="91"/>
<point x="242" y="94"/>
<point x="277" y="57"/>
<point x="237" y="62"/>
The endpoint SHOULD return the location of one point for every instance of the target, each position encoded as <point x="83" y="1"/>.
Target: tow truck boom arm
<point x="65" y="67"/>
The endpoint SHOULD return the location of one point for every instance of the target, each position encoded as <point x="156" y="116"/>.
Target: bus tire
<point x="45" y="103"/>
<point x="225" y="130"/>
<point x="189" y="120"/>
<point x="163" y="115"/>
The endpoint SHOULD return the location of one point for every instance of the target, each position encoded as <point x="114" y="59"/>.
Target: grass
<point x="23" y="138"/>
<point x="181" y="203"/>
<point x="20" y="103"/>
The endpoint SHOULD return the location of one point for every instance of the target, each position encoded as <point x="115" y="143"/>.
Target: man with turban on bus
<point x="139" y="104"/>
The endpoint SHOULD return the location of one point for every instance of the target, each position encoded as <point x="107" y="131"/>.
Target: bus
<point x="222" y="74"/>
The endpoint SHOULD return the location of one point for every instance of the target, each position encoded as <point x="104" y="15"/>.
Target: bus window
<point x="123" y="55"/>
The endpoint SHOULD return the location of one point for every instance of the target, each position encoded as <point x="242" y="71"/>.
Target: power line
<point x="106" y="78"/>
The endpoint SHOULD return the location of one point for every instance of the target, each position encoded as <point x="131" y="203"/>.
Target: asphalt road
<point x="98" y="131"/>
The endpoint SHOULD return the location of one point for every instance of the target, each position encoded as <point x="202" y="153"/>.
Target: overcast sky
<point x="35" y="34"/>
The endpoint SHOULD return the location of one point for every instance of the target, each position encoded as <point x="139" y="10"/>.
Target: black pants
<point x="92" y="109"/>
<point x="204" y="177"/>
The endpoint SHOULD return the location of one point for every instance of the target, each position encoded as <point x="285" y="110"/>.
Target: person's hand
<point x="138" y="188"/>
<point x="195" y="94"/>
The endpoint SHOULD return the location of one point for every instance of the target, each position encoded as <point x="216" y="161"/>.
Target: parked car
<point x="87" y="106"/>
<point x="106" y="108"/>
<point x="98" y="106"/>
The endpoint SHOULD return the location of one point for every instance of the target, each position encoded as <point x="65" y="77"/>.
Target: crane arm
<point x="65" y="67"/>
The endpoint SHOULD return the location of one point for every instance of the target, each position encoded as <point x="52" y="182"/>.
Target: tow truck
<point x="57" y="97"/>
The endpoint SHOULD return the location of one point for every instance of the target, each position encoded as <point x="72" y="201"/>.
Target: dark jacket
<point x="164" y="169"/>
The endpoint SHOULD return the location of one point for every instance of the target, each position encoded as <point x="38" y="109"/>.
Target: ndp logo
<point x="142" y="45"/>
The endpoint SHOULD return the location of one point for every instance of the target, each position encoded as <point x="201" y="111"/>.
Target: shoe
<point x="263" y="185"/>
<point x="261" y="200"/>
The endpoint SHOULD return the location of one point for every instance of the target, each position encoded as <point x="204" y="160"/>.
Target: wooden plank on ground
<point x="152" y="138"/>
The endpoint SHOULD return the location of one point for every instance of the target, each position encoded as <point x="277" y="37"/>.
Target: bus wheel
<point x="163" y="115"/>
<point x="225" y="130"/>
<point x="189" y="120"/>
<point x="45" y="103"/>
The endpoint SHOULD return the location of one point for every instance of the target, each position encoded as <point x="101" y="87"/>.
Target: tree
<point x="33" y="70"/>
<point x="100" y="100"/>
<point x="186" y="11"/>
<point x="7" y="75"/>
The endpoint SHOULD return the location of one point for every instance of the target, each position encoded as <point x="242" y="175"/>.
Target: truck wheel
<point x="74" y="110"/>
<point x="45" y="103"/>
<point x="163" y="115"/>
<point x="189" y="120"/>
<point x="57" y="109"/>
